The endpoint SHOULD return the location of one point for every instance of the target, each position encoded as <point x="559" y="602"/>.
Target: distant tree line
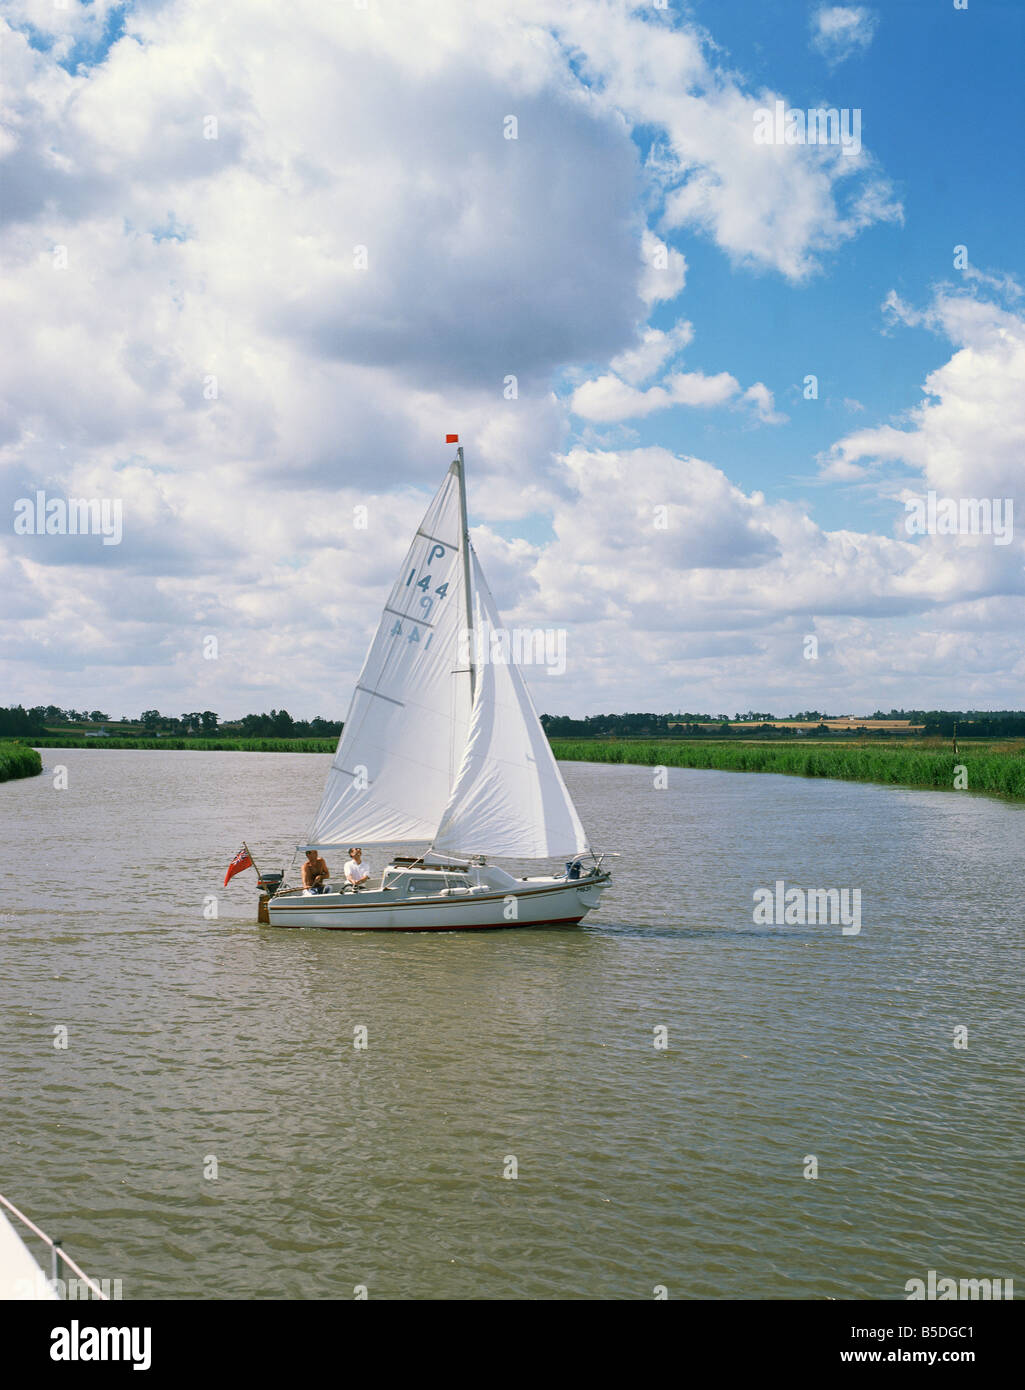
<point x="18" y="722"/>
<point x="278" y="724"/>
<point x="601" y="725"/>
<point x="634" y="725"/>
<point x="970" y="723"/>
<point x="984" y="723"/>
<point x="42" y="715"/>
<point x="665" y="725"/>
<point x="979" y="723"/>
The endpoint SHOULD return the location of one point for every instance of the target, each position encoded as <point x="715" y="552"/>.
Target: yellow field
<point x="851" y="723"/>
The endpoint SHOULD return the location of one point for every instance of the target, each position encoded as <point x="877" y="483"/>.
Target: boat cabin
<point x="415" y="882"/>
<point x="424" y="880"/>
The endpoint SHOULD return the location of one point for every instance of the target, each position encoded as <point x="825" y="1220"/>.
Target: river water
<point x="197" y="1044"/>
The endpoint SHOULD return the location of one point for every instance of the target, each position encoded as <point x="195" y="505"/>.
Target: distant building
<point x="96" y="733"/>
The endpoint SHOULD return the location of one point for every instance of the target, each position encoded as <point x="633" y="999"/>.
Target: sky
<point x="257" y="261"/>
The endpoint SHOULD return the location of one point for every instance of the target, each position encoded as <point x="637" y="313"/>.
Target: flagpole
<point x="457" y="468"/>
<point x="250" y="853"/>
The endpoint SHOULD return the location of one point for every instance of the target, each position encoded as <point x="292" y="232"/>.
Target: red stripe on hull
<point x="470" y="926"/>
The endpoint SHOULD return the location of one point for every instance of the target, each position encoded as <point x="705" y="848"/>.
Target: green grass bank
<point x="1002" y="773"/>
<point x="18" y="761"/>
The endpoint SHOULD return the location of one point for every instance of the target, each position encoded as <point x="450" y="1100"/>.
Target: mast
<point x="464" y="532"/>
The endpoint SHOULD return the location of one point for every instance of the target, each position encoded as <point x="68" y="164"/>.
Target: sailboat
<point x="442" y="748"/>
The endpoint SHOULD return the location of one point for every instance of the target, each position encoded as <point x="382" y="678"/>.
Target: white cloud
<point x="317" y="362"/>
<point x="661" y="565"/>
<point x="1001" y="282"/>
<point x="967" y="438"/>
<point x="778" y="207"/>
<point x="610" y="398"/>
<point x="764" y="404"/>
<point x="665" y="270"/>
<point x="607" y="398"/>
<point x="654" y="351"/>
<point x="62" y="24"/>
<point x="840" y="31"/>
<point x="234" y="258"/>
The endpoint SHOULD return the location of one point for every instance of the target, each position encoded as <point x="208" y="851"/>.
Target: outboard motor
<point x="573" y="868"/>
<point x="269" y="883"/>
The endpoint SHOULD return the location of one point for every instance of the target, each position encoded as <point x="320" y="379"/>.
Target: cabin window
<point x="435" y="885"/>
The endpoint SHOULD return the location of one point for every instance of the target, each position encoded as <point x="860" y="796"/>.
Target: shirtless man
<point x="354" y="870"/>
<point x="315" y="872"/>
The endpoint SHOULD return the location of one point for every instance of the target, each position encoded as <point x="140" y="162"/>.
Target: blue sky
<point x="194" y="334"/>
<point x="943" y="106"/>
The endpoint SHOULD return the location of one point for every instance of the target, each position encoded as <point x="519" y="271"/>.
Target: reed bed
<point x="1000" y="770"/>
<point x="18" y="761"/>
<point x="1002" y="773"/>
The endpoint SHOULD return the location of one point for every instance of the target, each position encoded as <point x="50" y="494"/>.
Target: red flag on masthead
<point x="451" y="439"/>
<point x="240" y="862"/>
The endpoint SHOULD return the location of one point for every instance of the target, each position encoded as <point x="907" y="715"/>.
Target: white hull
<point x="540" y="902"/>
<point x="20" y="1276"/>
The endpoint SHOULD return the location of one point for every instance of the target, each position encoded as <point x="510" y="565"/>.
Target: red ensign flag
<point x="240" y="862"/>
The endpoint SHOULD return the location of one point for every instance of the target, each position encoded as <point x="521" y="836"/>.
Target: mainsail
<point x="405" y="730"/>
<point x="415" y="762"/>
<point x="509" y="797"/>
